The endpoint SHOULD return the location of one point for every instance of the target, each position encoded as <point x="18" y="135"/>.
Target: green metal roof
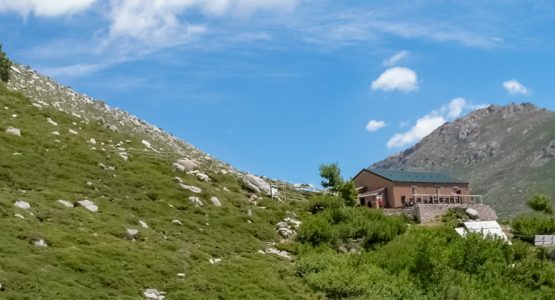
<point x="415" y="176"/>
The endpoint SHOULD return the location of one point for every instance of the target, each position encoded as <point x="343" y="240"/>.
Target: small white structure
<point x="486" y="228"/>
<point x="544" y="240"/>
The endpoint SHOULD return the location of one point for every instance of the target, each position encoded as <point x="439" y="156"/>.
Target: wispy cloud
<point x="45" y="8"/>
<point x="431" y="121"/>
<point x="375" y="125"/>
<point x="513" y="87"/>
<point x="397" y="78"/>
<point x="396" y="58"/>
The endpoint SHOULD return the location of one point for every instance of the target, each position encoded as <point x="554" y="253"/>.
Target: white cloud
<point x="422" y="128"/>
<point x="397" y="78"/>
<point x="374" y="125"/>
<point x="514" y="87"/>
<point x="45" y="8"/>
<point x="161" y="22"/>
<point x="431" y="121"/>
<point x="396" y="58"/>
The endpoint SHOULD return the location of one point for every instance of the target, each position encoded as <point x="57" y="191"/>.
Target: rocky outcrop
<point x="257" y="184"/>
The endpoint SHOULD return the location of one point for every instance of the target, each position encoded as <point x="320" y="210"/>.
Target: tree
<point x="335" y="183"/>
<point x="332" y="175"/>
<point x="541" y="203"/>
<point x="5" y="65"/>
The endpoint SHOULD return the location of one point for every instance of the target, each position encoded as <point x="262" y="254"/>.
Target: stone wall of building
<point x="426" y="213"/>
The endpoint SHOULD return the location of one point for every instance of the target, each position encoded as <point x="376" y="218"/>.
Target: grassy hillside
<point x="89" y="254"/>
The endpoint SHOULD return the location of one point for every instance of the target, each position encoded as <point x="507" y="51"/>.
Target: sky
<point x="278" y="87"/>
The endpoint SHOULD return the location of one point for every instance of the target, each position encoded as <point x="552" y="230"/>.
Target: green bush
<point x="526" y="226"/>
<point x="5" y="65"/>
<point x="541" y="203"/>
<point x="319" y="203"/>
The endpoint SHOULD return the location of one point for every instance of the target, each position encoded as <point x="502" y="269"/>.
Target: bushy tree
<point x="5" y="65"/>
<point x="541" y="203"/>
<point x="332" y="176"/>
<point x="333" y="181"/>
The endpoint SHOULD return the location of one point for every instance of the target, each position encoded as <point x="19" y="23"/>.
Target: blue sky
<point x="277" y="87"/>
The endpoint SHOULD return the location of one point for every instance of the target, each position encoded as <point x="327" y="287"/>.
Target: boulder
<point x="282" y="225"/>
<point x="214" y="261"/>
<point x="177" y="222"/>
<point x="472" y="213"/>
<point x="55" y="133"/>
<point x="92" y="141"/>
<point x="185" y="165"/>
<point x="143" y="224"/>
<point x="257" y="184"/>
<point x="132" y="233"/>
<point x="40" y="243"/>
<point x="65" y="203"/>
<point x="88" y="205"/>
<point x="22" y="204"/>
<point x="13" y="131"/>
<point x="203" y="177"/>
<point x="51" y="122"/>
<point x="153" y="294"/>
<point x="72" y="131"/>
<point x="277" y="252"/>
<point x="215" y="201"/>
<point x="191" y="188"/>
<point x="196" y="201"/>
<point x="286" y="233"/>
<point x="19" y="216"/>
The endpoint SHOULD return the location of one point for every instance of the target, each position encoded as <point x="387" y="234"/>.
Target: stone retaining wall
<point x="426" y="213"/>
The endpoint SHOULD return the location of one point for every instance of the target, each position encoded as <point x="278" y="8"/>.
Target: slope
<point x="72" y="151"/>
<point x="506" y="152"/>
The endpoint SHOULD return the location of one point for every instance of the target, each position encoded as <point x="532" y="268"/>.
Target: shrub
<point x="526" y="226"/>
<point x="541" y="203"/>
<point x="5" y="65"/>
<point x="318" y="204"/>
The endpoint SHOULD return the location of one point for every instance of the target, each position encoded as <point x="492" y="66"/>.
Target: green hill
<point x="91" y="254"/>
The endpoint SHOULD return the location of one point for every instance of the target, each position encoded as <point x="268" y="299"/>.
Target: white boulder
<point x="177" y="222"/>
<point x="153" y="294"/>
<point x="22" y="204"/>
<point x="215" y="201"/>
<point x="92" y="141"/>
<point x="72" y="131"/>
<point x="214" y="261"/>
<point x="257" y="184"/>
<point x="88" y="205"/>
<point x="55" y="133"/>
<point x="13" y="131"/>
<point x="196" y="201"/>
<point x="40" y="243"/>
<point x="143" y="224"/>
<point x="191" y="188"/>
<point x="203" y="177"/>
<point x="51" y="122"/>
<point x="132" y="232"/>
<point x="65" y="203"/>
<point x="185" y="165"/>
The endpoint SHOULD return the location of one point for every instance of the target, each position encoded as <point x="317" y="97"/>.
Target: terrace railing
<point x="445" y="199"/>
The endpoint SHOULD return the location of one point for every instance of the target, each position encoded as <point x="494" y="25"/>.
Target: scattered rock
<point x="178" y="180"/>
<point x="146" y="144"/>
<point x="196" y="201"/>
<point x="257" y="184"/>
<point x="153" y="294"/>
<point x="51" y="122"/>
<point x="472" y="213"/>
<point x="177" y="222"/>
<point x="55" y="133"/>
<point x="22" y="204"/>
<point x="40" y="243"/>
<point x="123" y="155"/>
<point x="203" y="177"/>
<point x="277" y="252"/>
<point x="282" y="225"/>
<point x="132" y="233"/>
<point x="261" y="252"/>
<point x="88" y="205"/>
<point x="143" y="224"/>
<point x="92" y="141"/>
<point x="65" y="203"/>
<point x="181" y="275"/>
<point x="13" y="131"/>
<point x="286" y="233"/>
<point x="72" y="131"/>
<point x="19" y="216"/>
<point x="185" y="165"/>
<point x="215" y="201"/>
<point x="214" y="261"/>
<point x="191" y="188"/>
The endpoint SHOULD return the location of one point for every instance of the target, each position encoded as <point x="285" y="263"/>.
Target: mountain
<point x="98" y="204"/>
<point x="505" y="152"/>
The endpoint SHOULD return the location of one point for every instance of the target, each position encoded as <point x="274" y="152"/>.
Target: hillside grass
<point x="89" y="255"/>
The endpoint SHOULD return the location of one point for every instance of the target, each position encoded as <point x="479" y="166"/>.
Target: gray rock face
<point x="257" y="184"/>
<point x="13" y="131"/>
